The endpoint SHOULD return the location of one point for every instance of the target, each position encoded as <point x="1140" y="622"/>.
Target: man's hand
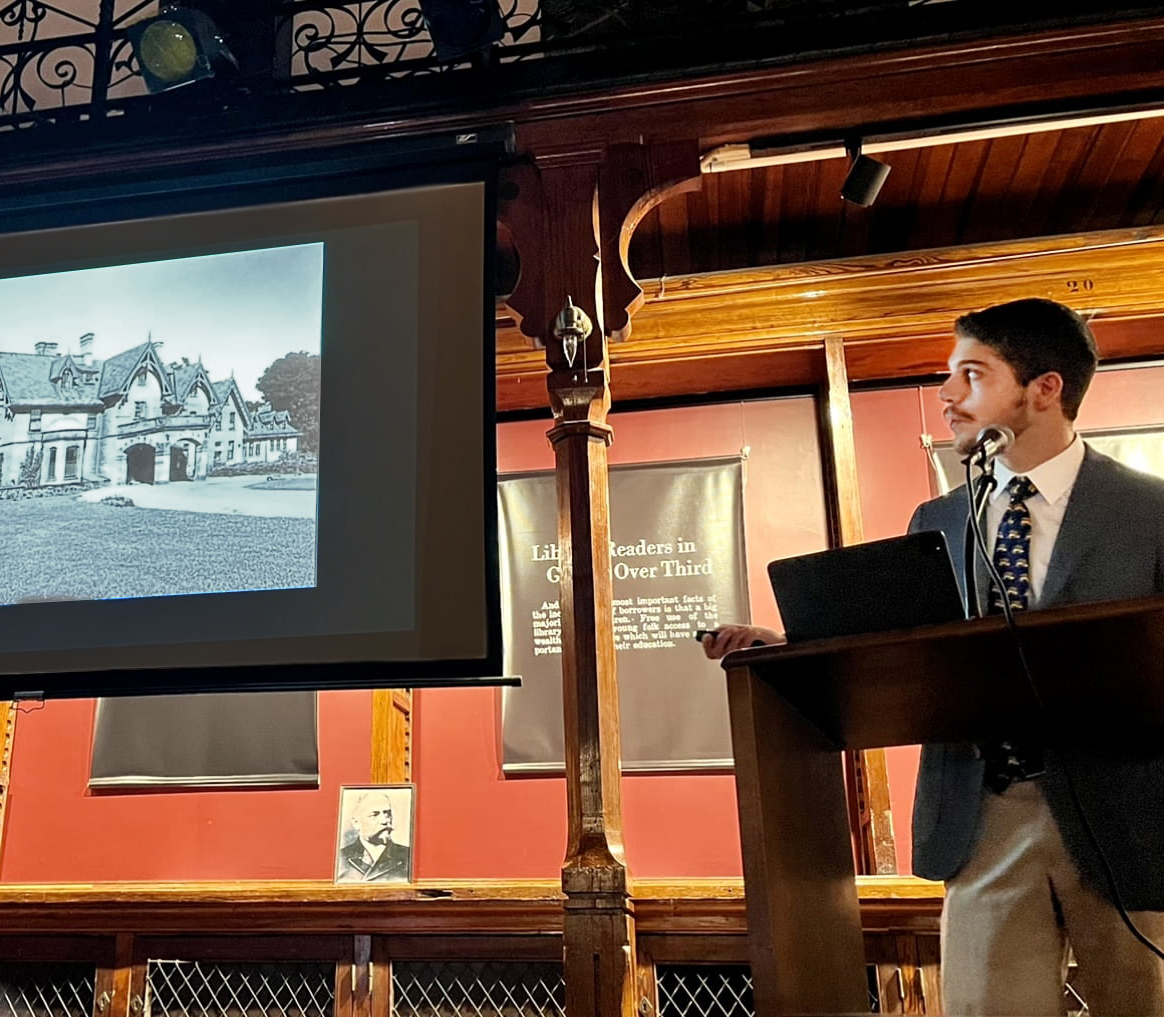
<point x="727" y="638"/>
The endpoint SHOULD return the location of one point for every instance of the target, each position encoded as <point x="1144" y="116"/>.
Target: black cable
<point x="1069" y="779"/>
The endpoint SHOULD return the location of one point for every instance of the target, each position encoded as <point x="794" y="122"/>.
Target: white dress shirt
<point x="1054" y="480"/>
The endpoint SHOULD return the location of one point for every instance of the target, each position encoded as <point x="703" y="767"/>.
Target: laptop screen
<point x="899" y="583"/>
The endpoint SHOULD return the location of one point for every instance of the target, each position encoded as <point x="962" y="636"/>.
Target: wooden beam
<point x="391" y="736"/>
<point x="839" y="451"/>
<point x="866" y="773"/>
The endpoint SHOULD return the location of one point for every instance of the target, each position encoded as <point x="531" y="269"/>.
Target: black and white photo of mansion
<point x="129" y="418"/>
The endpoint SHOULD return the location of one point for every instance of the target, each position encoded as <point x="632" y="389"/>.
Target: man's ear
<point x="1047" y="390"/>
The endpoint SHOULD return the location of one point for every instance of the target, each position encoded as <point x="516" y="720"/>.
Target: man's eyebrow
<point x="967" y="362"/>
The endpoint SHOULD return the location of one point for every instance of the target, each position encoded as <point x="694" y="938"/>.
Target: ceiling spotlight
<point x="865" y="179"/>
<point x="462" y="28"/>
<point x="176" y="47"/>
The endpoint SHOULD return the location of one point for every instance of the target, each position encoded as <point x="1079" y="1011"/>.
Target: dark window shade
<point x="224" y="740"/>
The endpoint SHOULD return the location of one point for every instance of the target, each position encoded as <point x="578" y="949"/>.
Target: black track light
<point x="865" y="179"/>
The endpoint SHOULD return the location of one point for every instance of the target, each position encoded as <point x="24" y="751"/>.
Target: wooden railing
<point x="361" y="930"/>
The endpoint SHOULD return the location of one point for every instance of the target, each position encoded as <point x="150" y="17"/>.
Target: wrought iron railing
<point x="70" y="61"/>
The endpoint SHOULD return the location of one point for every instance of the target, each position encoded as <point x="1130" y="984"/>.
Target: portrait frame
<point x="361" y="808"/>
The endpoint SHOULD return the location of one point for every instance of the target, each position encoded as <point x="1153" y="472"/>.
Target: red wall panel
<point x="475" y="823"/>
<point x="59" y="832"/>
<point x="471" y="822"/>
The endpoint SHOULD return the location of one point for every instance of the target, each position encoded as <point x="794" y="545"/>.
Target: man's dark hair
<point x="1035" y="336"/>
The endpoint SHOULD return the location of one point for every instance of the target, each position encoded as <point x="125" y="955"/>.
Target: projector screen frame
<point x="261" y="178"/>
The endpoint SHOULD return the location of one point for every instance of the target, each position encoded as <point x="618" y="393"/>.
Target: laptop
<point x="899" y="583"/>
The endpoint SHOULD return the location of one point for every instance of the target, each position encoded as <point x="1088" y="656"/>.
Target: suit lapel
<point x="982" y="573"/>
<point x="1084" y="527"/>
<point x="952" y="521"/>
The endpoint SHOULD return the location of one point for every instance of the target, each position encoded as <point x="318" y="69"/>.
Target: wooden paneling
<point x="991" y="191"/>
<point x="765" y="327"/>
<point x="908" y="978"/>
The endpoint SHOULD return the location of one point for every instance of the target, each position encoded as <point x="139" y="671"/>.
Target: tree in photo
<point x="292" y="383"/>
<point x="30" y="468"/>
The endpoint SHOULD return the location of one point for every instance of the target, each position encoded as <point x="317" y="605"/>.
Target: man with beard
<point x="373" y="856"/>
<point x="997" y="821"/>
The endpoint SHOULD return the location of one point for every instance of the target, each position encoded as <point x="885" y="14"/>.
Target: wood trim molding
<point x="1071" y="63"/>
<point x="7" y="734"/>
<point x="391" y="736"/>
<point x="766" y="327"/>
<point x="430" y="907"/>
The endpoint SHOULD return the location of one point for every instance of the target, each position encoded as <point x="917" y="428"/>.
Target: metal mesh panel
<point x="704" y="990"/>
<point x="46" y="989"/>
<point x="487" y="989"/>
<point x="201" y="989"/>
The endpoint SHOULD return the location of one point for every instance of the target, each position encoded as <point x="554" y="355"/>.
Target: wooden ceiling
<point x="774" y="232"/>
<point x="1047" y="184"/>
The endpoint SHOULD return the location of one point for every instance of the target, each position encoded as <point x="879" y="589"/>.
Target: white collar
<point x="373" y="851"/>
<point x="1053" y="479"/>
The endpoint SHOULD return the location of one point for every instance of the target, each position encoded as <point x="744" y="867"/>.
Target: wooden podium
<point x="794" y="708"/>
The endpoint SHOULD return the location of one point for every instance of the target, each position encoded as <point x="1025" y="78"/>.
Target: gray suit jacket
<point x="1110" y="547"/>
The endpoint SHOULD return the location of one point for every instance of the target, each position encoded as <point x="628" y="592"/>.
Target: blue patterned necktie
<point x="1012" y="547"/>
<point x="1017" y="759"/>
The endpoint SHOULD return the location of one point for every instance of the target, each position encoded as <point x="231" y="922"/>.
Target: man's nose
<point x="946" y="391"/>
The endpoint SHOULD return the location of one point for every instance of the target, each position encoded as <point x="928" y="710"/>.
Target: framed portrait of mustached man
<point x="375" y="834"/>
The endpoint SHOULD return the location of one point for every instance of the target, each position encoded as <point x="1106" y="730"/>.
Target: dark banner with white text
<point x="677" y="557"/>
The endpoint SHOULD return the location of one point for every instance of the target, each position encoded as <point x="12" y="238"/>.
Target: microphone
<point x="991" y="442"/>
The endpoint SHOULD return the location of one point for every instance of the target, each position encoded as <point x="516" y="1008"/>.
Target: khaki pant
<point x="1011" y="913"/>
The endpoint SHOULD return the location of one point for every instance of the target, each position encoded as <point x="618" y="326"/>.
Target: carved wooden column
<point x="599" y="921"/>
<point x="571" y="216"/>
